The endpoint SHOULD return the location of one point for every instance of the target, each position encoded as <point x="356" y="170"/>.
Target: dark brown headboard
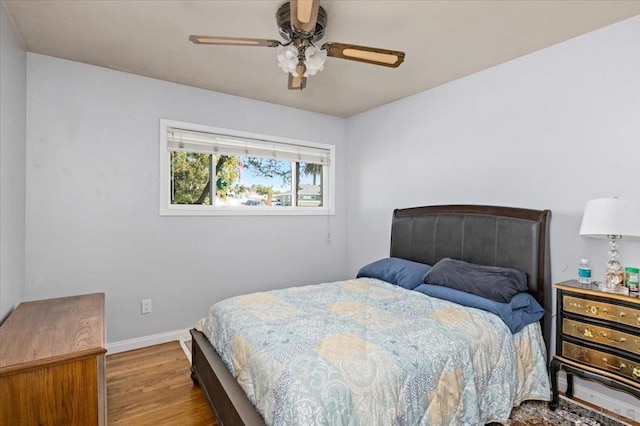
<point x="485" y="235"/>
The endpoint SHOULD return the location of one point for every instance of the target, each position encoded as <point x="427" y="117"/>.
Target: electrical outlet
<point x="146" y="306"/>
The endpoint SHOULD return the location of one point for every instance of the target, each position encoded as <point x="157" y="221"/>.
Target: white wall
<point x="93" y="223"/>
<point x="13" y="65"/>
<point x="547" y="131"/>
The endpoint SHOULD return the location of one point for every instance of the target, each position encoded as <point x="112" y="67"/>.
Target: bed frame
<point x="486" y="235"/>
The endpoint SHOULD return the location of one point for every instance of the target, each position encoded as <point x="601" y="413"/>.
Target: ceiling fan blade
<point x="233" y="41"/>
<point x="370" y="55"/>
<point x="304" y="15"/>
<point x="296" y="83"/>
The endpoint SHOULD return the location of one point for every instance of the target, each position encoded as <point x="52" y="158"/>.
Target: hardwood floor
<point x="152" y="386"/>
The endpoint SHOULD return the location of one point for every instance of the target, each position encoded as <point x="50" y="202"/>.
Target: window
<point x="211" y="171"/>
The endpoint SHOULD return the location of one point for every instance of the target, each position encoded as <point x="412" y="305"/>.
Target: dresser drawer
<point x="602" y="360"/>
<point x="602" y="310"/>
<point x="602" y="335"/>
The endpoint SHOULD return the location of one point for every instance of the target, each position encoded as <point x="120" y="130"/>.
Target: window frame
<point x="168" y="209"/>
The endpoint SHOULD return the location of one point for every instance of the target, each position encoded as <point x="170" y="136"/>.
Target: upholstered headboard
<point x="485" y="235"/>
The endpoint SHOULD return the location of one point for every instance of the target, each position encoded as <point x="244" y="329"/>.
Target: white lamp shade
<point x="611" y="216"/>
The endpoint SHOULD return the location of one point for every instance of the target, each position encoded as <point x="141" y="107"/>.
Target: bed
<point x="485" y="235"/>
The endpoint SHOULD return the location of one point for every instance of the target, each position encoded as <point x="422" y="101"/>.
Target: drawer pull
<point x="622" y="339"/>
<point x="591" y="310"/>
<point x="615" y="367"/>
<point x="605" y="311"/>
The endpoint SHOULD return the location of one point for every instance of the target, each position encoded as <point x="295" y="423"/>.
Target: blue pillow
<point x="394" y="270"/>
<point x="492" y="282"/>
<point x="522" y="310"/>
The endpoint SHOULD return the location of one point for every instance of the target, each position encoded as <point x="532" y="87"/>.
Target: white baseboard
<point x="144" y="341"/>
<point x="601" y="399"/>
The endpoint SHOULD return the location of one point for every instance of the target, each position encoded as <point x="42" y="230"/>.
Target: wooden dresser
<point x="597" y="338"/>
<point x="52" y="363"/>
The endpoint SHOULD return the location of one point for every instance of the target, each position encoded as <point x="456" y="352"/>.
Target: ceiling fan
<point x="302" y="23"/>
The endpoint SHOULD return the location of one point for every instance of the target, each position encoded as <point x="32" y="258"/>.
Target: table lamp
<point x="612" y="218"/>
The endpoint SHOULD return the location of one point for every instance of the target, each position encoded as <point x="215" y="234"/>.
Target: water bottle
<point x="584" y="272"/>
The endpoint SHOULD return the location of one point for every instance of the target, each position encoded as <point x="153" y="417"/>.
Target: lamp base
<point x="617" y="289"/>
<point x="615" y="273"/>
<point x="614" y="277"/>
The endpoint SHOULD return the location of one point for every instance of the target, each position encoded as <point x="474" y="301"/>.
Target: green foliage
<point x="227" y="172"/>
<point x="267" y="191"/>
<point x="312" y="169"/>
<point x="190" y="177"/>
<point x="240" y="189"/>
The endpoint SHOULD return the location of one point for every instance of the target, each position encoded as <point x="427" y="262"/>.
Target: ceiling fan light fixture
<point x="314" y="60"/>
<point x="288" y="59"/>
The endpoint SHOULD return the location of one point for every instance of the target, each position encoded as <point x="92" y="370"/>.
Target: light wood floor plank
<point x="152" y="386"/>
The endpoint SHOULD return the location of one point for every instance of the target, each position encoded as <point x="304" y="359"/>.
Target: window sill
<point x="251" y="211"/>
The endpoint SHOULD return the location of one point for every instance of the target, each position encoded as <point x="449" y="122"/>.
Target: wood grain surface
<point x="52" y="330"/>
<point x="152" y="386"/>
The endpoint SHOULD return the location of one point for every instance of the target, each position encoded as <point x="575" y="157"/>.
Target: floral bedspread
<point x="365" y="352"/>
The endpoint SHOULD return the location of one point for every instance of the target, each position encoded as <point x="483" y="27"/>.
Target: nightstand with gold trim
<point x="597" y="338"/>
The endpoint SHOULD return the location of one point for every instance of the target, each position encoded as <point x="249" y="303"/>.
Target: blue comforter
<point x="365" y="352"/>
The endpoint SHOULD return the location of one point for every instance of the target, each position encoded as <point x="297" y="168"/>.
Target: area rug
<point x="567" y="414"/>
<point x="532" y="412"/>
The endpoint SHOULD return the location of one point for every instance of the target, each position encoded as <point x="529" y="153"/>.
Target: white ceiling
<point x="443" y="41"/>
